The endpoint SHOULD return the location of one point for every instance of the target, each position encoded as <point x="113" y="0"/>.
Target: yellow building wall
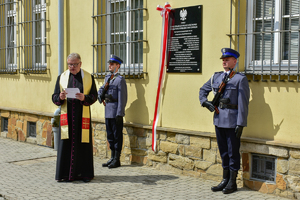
<point x="273" y="109"/>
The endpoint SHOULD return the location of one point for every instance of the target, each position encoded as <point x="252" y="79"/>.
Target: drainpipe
<point x="60" y="36"/>
<point x="56" y="119"/>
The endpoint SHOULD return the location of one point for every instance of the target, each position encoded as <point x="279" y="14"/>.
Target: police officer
<point x="232" y="117"/>
<point x="113" y="94"/>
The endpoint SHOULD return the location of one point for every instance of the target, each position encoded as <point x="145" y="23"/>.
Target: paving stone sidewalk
<point x="27" y="172"/>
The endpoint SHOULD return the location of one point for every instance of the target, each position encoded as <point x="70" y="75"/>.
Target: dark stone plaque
<point x="184" y="40"/>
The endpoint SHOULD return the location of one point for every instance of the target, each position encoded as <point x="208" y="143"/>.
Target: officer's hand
<point x="119" y="119"/>
<point x="99" y="98"/>
<point x="238" y="131"/>
<point x="209" y="106"/>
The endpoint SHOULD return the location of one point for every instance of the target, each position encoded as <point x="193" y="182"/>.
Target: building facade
<point x="265" y="32"/>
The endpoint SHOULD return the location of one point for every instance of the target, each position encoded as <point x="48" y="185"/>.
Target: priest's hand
<point x="63" y="95"/>
<point x="80" y="96"/>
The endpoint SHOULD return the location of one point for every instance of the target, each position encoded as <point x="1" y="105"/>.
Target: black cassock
<point x="74" y="158"/>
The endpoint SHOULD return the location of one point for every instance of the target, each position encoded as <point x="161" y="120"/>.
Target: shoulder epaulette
<point x="119" y="76"/>
<point x="242" y="74"/>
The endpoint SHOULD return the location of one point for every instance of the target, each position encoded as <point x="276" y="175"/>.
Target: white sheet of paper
<point x="71" y="92"/>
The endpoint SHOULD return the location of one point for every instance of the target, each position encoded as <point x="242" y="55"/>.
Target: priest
<point x="75" y="150"/>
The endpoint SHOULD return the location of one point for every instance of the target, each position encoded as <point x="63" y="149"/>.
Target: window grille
<point x="271" y="38"/>
<point x="263" y="168"/>
<point x="4" y="124"/>
<point x="33" y="36"/>
<point x="8" y="38"/>
<point x="31" y="129"/>
<point x="113" y="33"/>
<point x="23" y="38"/>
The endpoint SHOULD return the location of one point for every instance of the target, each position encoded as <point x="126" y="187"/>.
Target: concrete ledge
<point x="269" y="142"/>
<point x="27" y="111"/>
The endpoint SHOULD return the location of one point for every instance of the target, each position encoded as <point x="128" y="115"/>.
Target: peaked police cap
<point x="227" y="52"/>
<point x="116" y="59"/>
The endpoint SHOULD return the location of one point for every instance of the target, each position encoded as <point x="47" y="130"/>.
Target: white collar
<point x="81" y="71"/>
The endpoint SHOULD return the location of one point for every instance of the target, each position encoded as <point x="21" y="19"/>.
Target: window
<point x="263" y="168"/>
<point x="8" y="38"/>
<point x="34" y="42"/>
<point x="4" y="127"/>
<point x="273" y="47"/>
<point x="23" y="44"/>
<point x="271" y="37"/>
<point x="31" y="129"/>
<point x="118" y="27"/>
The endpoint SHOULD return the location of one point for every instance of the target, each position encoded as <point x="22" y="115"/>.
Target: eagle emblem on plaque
<point x="183" y="14"/>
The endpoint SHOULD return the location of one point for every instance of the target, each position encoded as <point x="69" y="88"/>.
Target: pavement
<point x="27" y="171"/>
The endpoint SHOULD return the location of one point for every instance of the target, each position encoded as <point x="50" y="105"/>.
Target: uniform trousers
<point x="114" y="131"/>
<point x="229" y="148"/>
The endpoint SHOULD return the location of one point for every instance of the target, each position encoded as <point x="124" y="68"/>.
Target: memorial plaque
<point x="184" y="41"/>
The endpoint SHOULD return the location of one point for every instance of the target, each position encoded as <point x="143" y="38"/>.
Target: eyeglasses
<point x="74" y="65"/>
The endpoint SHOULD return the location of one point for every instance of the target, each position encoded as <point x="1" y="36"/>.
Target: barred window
<point x="118" y="29"/>
<point x="263" y="168"/>
<point x="34" y="43"/>
<point x="271" y="37"/>
<point x="4" y="126"/>
<point x="23" y="44"/>
<point x="8" y="42"/>
<point x="31" y="129"/>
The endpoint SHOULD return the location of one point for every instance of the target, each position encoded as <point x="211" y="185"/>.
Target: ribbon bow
<point x="164" y="10"/>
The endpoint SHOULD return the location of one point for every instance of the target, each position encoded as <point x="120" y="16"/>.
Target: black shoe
<point x="223" y="183"/>
<point x="64" y="180"/>
<point x="110" y="160"/>
<point x="86" y="180"/>
<point x="231" y="186"/>
<point x="116" y="162"/>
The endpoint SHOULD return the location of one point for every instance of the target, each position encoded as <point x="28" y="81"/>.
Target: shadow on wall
<point x="260" y="117"/>
<point x="164" y="87"/>
<point x="138" y="112"/>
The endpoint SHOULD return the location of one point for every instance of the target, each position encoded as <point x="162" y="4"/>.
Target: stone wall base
<point x="17" y="127"/>
<point x="181" y="152"/>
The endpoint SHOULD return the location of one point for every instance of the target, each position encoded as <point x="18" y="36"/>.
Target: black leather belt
<point x="229" y="106"/>
<point x="109" y="99"/>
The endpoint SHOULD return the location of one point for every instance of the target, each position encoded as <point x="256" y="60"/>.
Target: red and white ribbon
<point x="164" y="12"/>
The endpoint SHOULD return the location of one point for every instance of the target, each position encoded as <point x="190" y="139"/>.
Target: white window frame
<point x="129" y="32"/>
<point x="39" y="8"/>
<point x="278" y="6"/>
<point x="13" y="14"/>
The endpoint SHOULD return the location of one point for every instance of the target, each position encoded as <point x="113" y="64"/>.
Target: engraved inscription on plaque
<point x="184" y="41"/>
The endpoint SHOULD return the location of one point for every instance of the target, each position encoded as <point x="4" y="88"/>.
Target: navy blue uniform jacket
<point x="118" y="89"/>
<point x="238" y="91"/>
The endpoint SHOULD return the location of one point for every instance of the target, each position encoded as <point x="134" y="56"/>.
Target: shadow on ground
<point x="144" y="179"/>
